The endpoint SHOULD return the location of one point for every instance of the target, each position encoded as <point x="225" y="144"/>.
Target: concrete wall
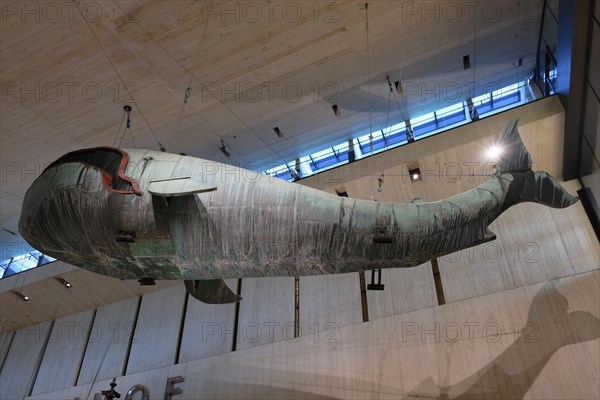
<point x="589" y="164"/>
<point x="23" y="359"/>
<point x="538" y="342"/>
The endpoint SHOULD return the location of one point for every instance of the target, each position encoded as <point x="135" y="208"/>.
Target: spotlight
<point x="398" y="86"/>
<point x="64" y="282"/>
<point x="20" y="295"/>
<point x="224" y="149"/>
<point x="415" y="174"/>
<point x="494" y="152"/>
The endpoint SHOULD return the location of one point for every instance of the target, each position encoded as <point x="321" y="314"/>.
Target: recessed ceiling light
<point x="415" y="174"/>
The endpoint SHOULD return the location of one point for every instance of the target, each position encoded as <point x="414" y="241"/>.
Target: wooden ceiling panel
<point x="153" y="45"/>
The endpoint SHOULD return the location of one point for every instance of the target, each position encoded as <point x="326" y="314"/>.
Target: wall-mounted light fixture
<point x="20" y="295"/>
<point x="63" y="282"/>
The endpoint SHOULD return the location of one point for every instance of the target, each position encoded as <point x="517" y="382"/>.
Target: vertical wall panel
<point x="208" y="328"/>
<point x="5" y="342"/>
<point x="591" y="179"/>
<point x="63" y="355"/>
<point x="22" y="359"/>
<point x="266" y="309"/>
<point x="589" y="167"/>
<point x="589" y="146"/>
<point x="328" y="302"/>
<point x="406" y="289"/>
<point x="594" y="66"/>
<point x="591" y="119"/>
<point x="110" y="335"/>
<point x="535" y="342"/>
<point x="157" y="331"/>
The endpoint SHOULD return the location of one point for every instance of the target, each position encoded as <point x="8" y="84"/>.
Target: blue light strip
<point x="23" y="262"/>
<point x="395" y="136"/>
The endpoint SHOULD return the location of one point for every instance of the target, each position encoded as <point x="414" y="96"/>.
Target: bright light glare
<point x="415" y="177"/>
<point x="494" y="152"/>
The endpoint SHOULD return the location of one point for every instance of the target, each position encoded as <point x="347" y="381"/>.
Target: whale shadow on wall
<point x="548" y="328"/>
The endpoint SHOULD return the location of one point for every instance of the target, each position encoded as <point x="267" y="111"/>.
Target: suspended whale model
<point x="141" y="214"/>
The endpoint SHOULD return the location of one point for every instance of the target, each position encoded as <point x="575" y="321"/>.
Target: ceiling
<point x="49" y="299"/>
<point x="68" y="69"/>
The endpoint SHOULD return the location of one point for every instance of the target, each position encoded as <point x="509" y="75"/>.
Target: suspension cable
<point x="369" y="91"/>
<point x="160" y="146"/>
<point x="119" y="130"/>
<point x="188" y="89"/>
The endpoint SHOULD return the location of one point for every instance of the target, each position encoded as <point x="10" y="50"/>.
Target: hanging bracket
<point x="373" y="285"/>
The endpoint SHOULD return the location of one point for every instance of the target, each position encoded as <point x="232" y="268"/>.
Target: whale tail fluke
<point x="548" y="191"/>
<point x="514" y="156"/>
<point x="527" y="186"/>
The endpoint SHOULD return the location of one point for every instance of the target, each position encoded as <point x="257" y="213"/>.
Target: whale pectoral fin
<point x="489" y="236"/>
<point x="187" y="222"/>
<point x="480" y="238"/>
<point x="174" y="187"/>
<point x="213" y="291"/>
<point x="427" y="389"/>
